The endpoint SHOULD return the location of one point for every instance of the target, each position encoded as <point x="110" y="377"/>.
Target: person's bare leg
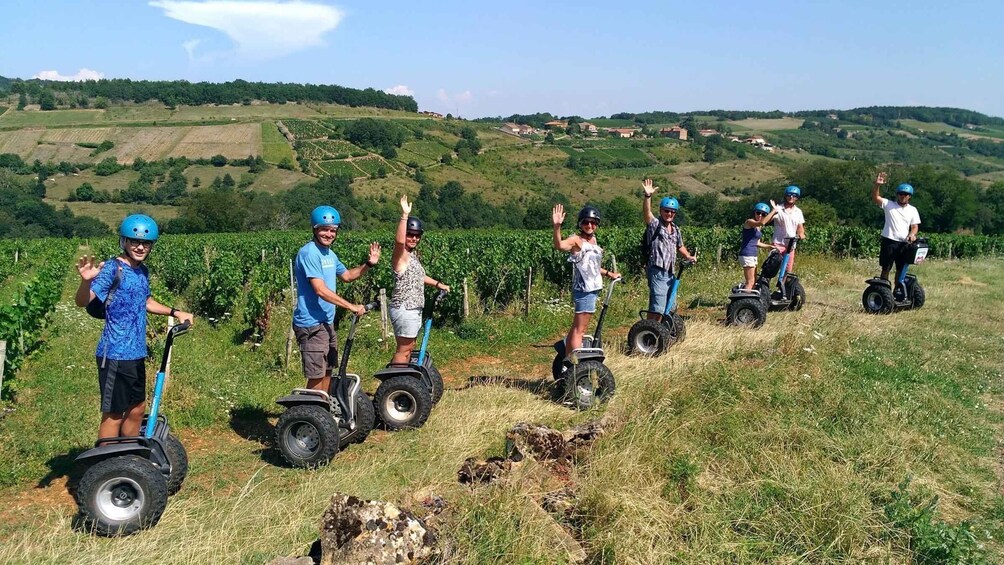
<point x="133" y="419"/>
<point x="405" y="345"/>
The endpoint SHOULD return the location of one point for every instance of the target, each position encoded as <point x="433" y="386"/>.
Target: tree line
<point x="173" y="93"/>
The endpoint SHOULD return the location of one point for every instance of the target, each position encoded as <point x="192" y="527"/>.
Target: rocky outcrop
<point x="354" y="530"/>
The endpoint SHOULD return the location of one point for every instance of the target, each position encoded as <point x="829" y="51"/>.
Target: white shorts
<point x="747" y="261"/>
<point x="406" y="322"/>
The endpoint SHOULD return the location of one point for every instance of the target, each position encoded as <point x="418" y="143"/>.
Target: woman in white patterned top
<point x="408" y="299"/>
<point x="586" y="257"/>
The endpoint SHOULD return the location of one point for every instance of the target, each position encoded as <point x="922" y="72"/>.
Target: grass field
<point x="112" y="213"/>
<point x="784" y="444"/>
<point x="761" y="125"/>
<point x="990" y="133"/>
<point x="62" y="186"/>
<point x="274" y="145"/>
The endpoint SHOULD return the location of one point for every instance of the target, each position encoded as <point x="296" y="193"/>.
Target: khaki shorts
<point x="318" y="349"/>
<point x="748" y="260"/>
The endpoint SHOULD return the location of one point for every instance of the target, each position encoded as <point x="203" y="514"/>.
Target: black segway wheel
<point x="796" y="293"/>
<point x="765" y="295"/>
<point x="307" y="436"/>
<point x="877" y="299"/>
<point x="178" y="458"/>
<point x="746" y="312"/>
<point x="437" y="383"/>
<point x="917" y="296"/>
<point x="592" y="385"/>
<point x="649" y="337"/>
<point x="403" y="402"/>
<point x="122" y="495"/>
<point x="677" y="329"/>
<point x="365" y="420"/>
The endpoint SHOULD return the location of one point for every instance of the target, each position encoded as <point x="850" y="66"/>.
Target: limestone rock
<point x="537" y="442"/>
<point x="372" y="532"/>
<point x="291" y="561"/>
<point x="478" y="471"/>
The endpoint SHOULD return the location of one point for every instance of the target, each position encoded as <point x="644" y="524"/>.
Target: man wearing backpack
<point x="660" y="244"/>
<point x="118" y="290"/>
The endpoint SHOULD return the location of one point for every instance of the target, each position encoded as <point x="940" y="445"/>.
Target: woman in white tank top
<point x="586" y="258"/>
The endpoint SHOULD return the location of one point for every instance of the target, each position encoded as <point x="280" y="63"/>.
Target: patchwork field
<point x="761" y="125"/>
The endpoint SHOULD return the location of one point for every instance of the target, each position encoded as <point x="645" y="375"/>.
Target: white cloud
<point x="460" y="97"/>
<point x="260" y="30"/>
<point x="189" y="47"/>
<point x="463" y="97"/>
<point x="442" y="96"/>
<point x="82" y="74"/>
<point x="400" y="90"/>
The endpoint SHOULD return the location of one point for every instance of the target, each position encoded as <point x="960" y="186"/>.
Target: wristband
<point x="370" y="264"/>
<point x="173" y="311"/>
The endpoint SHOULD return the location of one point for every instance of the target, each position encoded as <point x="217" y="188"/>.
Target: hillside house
<point x="527" y="130"/>
<point x="756" y="140"/>
<point x="831" y="116"/>
<point x="623" y="133"/>
<point x="510" y="128"/>
<point x="431" y="114"/>
<point x="675" y="132"/>
<point x="586" y="127"/>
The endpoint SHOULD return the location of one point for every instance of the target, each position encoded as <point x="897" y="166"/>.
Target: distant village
<point x="588" y="129"/>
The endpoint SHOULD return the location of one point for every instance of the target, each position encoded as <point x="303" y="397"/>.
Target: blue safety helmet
<point x="324" y="216"/>
<point x="669" y="203"/>
<point x="793" y="190"/>
<point x="905" y="189"/>
<point x="761" y="207"/>
<point x="139" y="226"/>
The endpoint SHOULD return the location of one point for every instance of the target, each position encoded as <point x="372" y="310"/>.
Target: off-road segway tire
<point x="365" y="420"/>
<point x="678" y="329"/>
<point x="403" y="402"/>
<point x="307" y="436"/>
<point x="917" y="295"/>
<point x="121" y="495"/>
<point x="747" y="312"/>
<point x="437" y="384"/>
<point x="592" y="384"/>
<point x="765" y="295"/>
<point x="649" y="337"/>
<point x="796" y="293"/>
<point x="178" y="458"/>
<point x="877" y="299"/>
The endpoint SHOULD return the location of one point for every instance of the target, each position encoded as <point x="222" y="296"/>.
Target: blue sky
<point x="589" y="58"/>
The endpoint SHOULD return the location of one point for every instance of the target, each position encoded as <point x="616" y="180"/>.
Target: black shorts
<point x="891" y="251"/>
<point x="122" y="384"/>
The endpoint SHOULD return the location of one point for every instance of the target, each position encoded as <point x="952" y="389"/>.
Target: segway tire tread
<point x="410" y="394"/>
<point x="178" y="458"/>
<point x="328" y="434"/>
<point x="649" y="337"/>
<point x="137" y="471"/>
<point x="365" y="420"/>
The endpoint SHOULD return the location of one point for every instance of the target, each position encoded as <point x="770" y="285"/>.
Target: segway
<point x="317" y="423"/>
<point x="125" y="489"/>
<point x="408" y="391"/>
<point x="746" y="308"/>
<point x="581" y="379"/>
<point x="655" y="336"/>
<point x="881" y="298"/>
<point x="788" y="294"/>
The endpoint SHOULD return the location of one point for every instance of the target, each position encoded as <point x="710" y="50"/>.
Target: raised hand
<point x="558" y="214"/>
<point x="773" y="205"/>
<point x="87" y="269"/>
<point x="405" y="205"/>
<point x="881" y="178"/>
<point x="374" y="253"/>
<point x="649" y="187"/>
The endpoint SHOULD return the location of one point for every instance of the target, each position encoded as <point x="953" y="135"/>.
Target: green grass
<point x="274" y="146"/>
<point x="941" y="127"/>
<point x="785" y="444"/>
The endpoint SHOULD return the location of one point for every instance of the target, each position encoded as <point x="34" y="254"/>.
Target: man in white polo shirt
<point x="901" y="224"/>
<point x="788" y="222"/>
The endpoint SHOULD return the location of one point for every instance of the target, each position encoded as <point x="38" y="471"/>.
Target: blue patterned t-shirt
<point x="124" y="336"/>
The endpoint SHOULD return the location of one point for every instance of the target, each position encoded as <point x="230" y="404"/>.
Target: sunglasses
<point x="668" y="211"/>
<point x="759" y="213"/>
<point x="138" y="242"/>
<point x="589" y="223"/>
<point x="791" y="196"/>
<point x="418" y="235"/>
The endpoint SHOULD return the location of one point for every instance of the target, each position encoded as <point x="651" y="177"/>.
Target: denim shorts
<point x="585" y="301"/>
<point x="659" y="283"/>
<point x="406" y="322"/>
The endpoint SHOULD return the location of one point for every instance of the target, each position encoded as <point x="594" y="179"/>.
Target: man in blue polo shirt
<point x="121" y="287"/>
<point x="317" y="269"/>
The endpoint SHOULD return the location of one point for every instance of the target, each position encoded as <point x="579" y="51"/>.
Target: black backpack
<point x="97" y="308"/>
<point x="646" y="242"/>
